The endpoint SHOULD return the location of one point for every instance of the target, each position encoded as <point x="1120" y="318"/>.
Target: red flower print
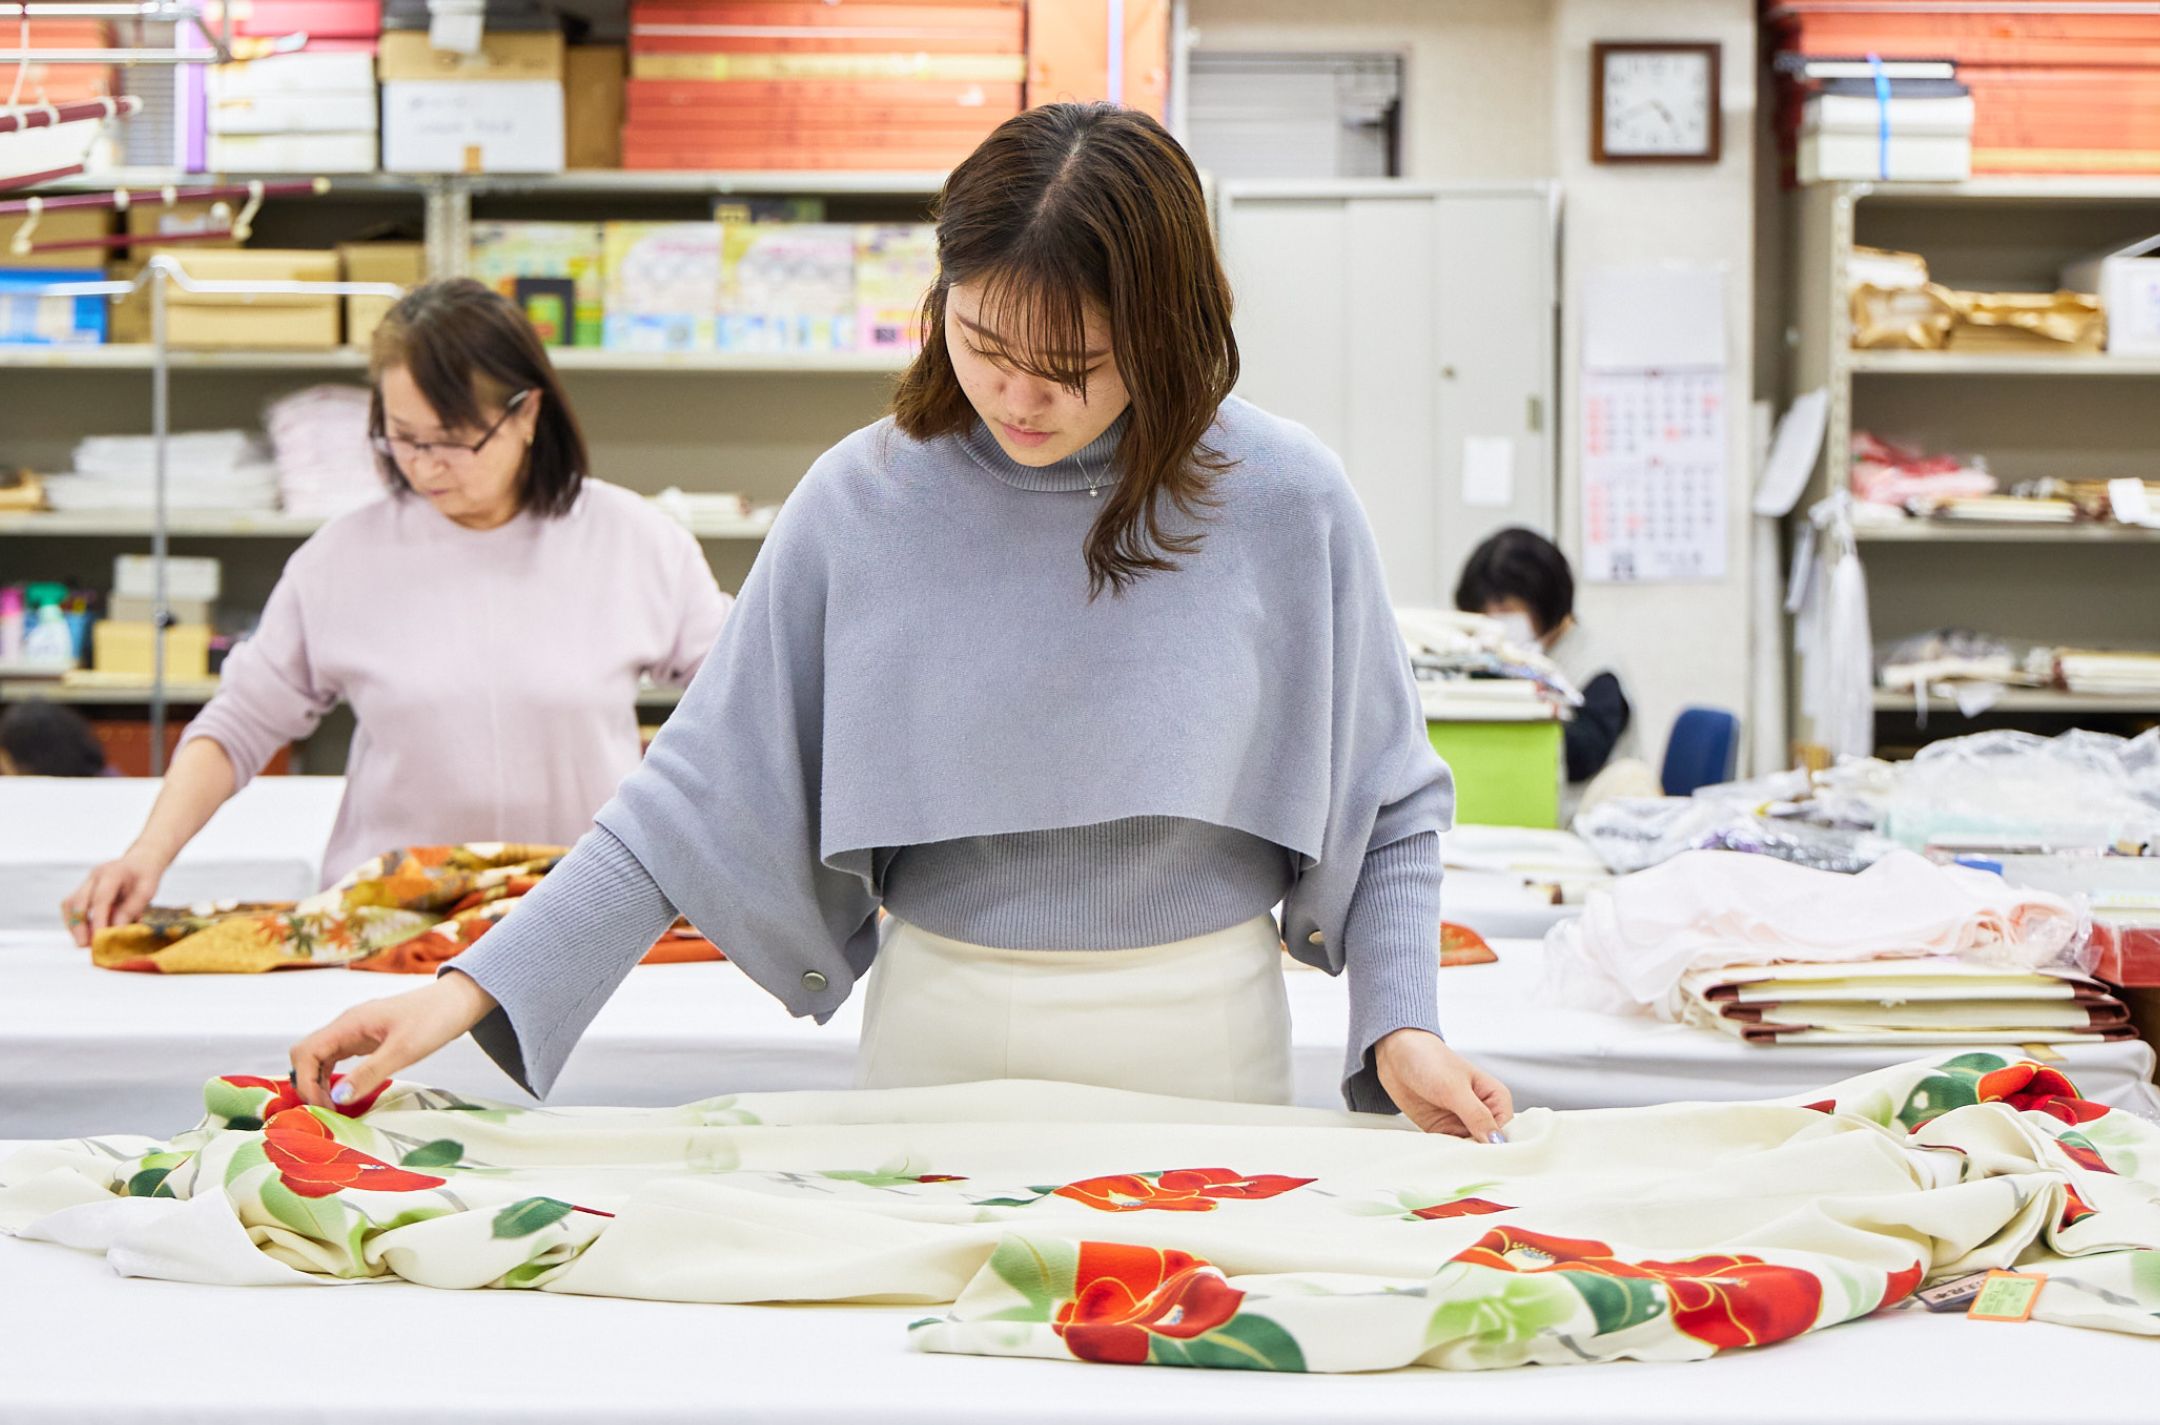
<point x="1722" y="1301"/>
<point x="1460" y="1207"/>
<point x="940" y="1178"/>
<point x="2074" y="1210"/>
<point x="2079" y="1150"/>
<point x="313" y="1164"/>
<point x="2030" y="1087"/>
<point x="1180" y="1190"/>
<point x="285" y="1096"/>
<point x="1902" y="1284"/>
<point x="1828" y="1105"/>
<point x="1122" y="1294"/>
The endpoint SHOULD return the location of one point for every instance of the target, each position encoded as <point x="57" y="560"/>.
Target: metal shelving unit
<point x="250" y="524"/>
<point x="2032" y="415"/>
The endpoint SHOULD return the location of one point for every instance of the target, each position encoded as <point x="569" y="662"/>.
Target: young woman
<point x="1075" y="665"/>
<point x="1521" y="578"/>
<point x="488" y="621"/>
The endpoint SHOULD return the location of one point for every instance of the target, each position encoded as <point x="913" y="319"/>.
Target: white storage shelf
<point x="217" y="524"/>
<point x="566" y="359"/>
<point x="2038" y="414"/>
<point x="188" y="694"/>
<point x="2024" y="700"/>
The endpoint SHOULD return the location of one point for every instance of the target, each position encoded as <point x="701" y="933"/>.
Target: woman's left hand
<point x="1438" y="1089"/>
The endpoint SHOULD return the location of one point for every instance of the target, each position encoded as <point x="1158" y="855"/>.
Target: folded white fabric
<point x="1635" y="943"/>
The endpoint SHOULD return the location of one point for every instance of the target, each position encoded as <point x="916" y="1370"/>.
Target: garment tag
<point x="1953" y="1295"/>
<point x="2006" y="1296"/>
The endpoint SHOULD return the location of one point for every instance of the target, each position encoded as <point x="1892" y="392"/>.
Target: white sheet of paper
<point x="1488" y="471"/>
<point x="1792" y="454"/>
<point x="2130" y="503"/>
<point x="1654" y="318"/>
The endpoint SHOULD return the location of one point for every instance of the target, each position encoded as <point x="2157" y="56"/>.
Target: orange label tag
<point x="2006" y="1296"/>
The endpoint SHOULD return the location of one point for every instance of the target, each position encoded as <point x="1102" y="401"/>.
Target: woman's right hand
<point x="116" y="893"/>
<point x="393" y="1034"/>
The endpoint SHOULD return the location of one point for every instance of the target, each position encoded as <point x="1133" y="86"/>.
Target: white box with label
<point x="472" y="126"/>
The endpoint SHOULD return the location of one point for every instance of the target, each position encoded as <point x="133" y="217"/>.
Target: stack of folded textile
<point x="1904" y="952"/>
<point x="1935" y="1001"/>
<point x="205" y="470"/>
<point x="324" y="464"/>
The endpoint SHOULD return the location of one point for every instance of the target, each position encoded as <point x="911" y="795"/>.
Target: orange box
<point x="1068" y="53"/>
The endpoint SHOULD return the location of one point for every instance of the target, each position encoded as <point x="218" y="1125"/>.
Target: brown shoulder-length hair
<point x="469" y="348"/>
<point x="1066" y="206"/>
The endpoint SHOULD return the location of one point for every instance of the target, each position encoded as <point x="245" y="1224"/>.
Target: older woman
<point x="488" y="622"/>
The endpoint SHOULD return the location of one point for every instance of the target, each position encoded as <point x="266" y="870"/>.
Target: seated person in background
<point x="1522" y="579"/>
<point x="42" y="739"/>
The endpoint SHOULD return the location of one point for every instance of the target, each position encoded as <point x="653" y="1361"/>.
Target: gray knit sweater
<point x="916" y="705"/>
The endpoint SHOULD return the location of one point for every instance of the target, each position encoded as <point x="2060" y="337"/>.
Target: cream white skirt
<point x="1201" y="1018"/>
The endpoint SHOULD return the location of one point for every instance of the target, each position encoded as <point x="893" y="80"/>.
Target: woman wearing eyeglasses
<point x="488" y="622"/>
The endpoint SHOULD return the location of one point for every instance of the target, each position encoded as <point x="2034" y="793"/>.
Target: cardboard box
<point x="215" y="320"/>
<point x="2128" y="281"/>
<point x="404" y="263"/>
<point x="351" y="111"/>
<point x="663" y="286"/>
<point x="405" y="56"/>
<point x="306" y="72"/>
<point x="473" y="126"/>
<point x="67" y="225"/>
<point x="293" y="153"/>
<point x="502" y="253"/>
<point x="126" y="648"/>
<point x="594" y="77"/>
<point x="156" y="220"/>
<point x="30" y="319"/>
<point x="141" y="608"/>
<point x="786" y="287"/>
<point x="186" y="577"/>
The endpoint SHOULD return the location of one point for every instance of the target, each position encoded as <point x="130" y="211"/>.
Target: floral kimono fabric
<point x="1035" y="1219"/>
<point x="405" y="912"/>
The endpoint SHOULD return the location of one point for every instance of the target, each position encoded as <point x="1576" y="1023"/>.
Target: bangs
<point x="449" y="370"/>
<point x="1034" y="319"/>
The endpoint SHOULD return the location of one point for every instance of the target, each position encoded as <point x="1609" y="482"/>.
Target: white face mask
<point x="1518" y="630"/>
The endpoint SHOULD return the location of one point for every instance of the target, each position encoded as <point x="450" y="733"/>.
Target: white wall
<point x="1680" y="644"/>
<point x="1500" y="89"/>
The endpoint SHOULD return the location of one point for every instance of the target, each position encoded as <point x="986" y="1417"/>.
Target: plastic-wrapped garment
<point x="2082" y="789"/>
<point x="1633" y="834"/>
<point x="1635" y="943"/>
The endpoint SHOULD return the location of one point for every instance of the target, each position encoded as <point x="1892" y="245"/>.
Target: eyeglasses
<point x="404" y="452"/>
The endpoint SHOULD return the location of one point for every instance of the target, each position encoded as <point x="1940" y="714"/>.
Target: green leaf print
<point x="150" y="1182"/>
<point x="1517" y="1307"/>
<point x="522" y="1219"/>
<point x="319" y="1218"/>
<point x="2145" y="1279"/>
<point x="1937" y="1095"/>
<point x="442" y="1153"/>
<point x="232" y="1103"/>
<point x="1617" y="1302"/>
<point x="250" y="1155"/>
<point x="1042" y="1272"/>
<point x="1243" y="1343"/>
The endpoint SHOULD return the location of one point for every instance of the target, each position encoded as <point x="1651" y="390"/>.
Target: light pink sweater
<point x="493" y="674"/>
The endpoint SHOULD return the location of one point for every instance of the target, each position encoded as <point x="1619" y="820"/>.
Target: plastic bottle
<point x="50" y="643"/>
<point x="11" y="625"/>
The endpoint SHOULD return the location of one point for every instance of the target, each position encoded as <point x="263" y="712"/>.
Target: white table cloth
<point x="84" y="1344"/>
<point x="98" y="1051"/>
<point x="264" y="844"/>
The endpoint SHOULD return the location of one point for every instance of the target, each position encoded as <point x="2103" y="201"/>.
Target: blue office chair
<point x="1704" y="749"/>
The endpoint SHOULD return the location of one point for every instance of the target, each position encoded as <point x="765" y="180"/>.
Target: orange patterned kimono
<point x="405" y="912"/>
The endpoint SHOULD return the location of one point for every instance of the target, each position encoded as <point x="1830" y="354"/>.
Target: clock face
<point x="1658" y="104"/>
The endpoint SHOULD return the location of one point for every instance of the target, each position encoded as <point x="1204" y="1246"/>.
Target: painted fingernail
<point x="341" y="1094"/>
<point x="1496" y="1136"/>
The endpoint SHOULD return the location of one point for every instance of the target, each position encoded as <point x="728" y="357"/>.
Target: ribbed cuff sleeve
<point x="552" y="962"/>
<point x="1391" y="945"/>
